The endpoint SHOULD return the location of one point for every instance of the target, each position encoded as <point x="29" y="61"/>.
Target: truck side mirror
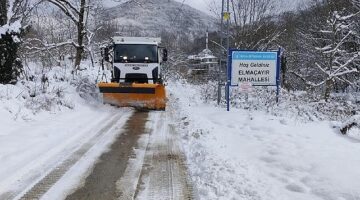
<point x="165" y="55"/>
<point x="106" y="54"/>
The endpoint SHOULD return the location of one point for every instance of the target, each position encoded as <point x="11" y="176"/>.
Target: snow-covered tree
<point x="328" y="47"/>
<point x="77" y="11"/>
<point x="49" y="39"/>
<point x="12" y="15"/>
<point x="356" y="3"/>
<point x="335" y="45"/>
<point x="65" y="29"/>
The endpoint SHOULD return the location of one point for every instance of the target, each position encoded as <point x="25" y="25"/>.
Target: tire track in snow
<point x="127" y="185"/>
<point x="164" y="175"/>
<point x="103" y="181"/>
<point x="42" y="186"/>
<point x="32" y="171"/>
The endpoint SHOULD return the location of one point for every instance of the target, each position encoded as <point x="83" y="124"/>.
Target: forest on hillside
<point x="320" y="42"/>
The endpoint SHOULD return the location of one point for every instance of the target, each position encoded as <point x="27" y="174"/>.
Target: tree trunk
<point x="3" y="12"/>
<point x="328" y="88"/>
<point x="78" y="56"/>
<point x="81" y="34"/>
<point x="283" y="72"/>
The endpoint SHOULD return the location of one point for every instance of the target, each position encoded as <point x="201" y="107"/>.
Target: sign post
<point x="258" y="68"/>
<point x="278" y="76"/>
<point x="228" y="82"/>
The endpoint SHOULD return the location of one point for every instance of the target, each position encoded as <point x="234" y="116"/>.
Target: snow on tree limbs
<point x="12" y="14"/>
<point x="77" y="14"/>
<point x="328" y="33"/>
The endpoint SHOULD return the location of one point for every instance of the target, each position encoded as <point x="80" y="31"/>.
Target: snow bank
<point x="44" y="89"/>
<point x="351" y="127"/>
<point x="12" y="28"/>
<point x="252" y="154"/>
<point x="298" y="104"/>
<point x="48" y="116"/>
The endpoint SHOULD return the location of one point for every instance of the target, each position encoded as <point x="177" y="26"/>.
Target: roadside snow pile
<point x="47" y="89"/>
<point x="351" y="127"/>
<point x="298" y="105"/>
<point x="48" y="120"/>
<point x="249" y="154"/>
<point x="12" y="104"/>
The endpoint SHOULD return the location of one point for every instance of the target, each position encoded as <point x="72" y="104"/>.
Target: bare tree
<point x="77" y="11"/>
<point x="251" y="11"/>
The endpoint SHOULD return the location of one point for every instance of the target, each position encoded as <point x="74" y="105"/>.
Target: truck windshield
<point x="135" y="53"/>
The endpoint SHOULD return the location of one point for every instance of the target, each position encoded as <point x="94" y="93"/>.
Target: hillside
<point x="152" y="17"/>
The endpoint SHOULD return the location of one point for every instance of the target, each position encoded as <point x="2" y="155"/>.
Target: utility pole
<point x="207" y="39"/>
<point x="224" y="38"/>
<point x="227" y="54"/>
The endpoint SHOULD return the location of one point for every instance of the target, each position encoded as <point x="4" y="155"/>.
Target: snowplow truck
<point x="136" y="73"/>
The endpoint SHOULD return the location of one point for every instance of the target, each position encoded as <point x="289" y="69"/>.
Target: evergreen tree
<point x="10" y="65"/>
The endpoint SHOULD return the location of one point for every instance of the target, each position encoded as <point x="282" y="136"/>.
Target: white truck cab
<point x="137" y="59"/>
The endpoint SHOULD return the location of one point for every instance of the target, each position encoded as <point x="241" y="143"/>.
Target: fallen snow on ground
<point x="42" y="125"/>
<point x="76" y="175"/>
<point x="29" y="149"/>
<point x="253" y="155"/>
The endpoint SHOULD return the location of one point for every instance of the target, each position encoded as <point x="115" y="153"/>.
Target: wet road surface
<point x="101" y="183"/>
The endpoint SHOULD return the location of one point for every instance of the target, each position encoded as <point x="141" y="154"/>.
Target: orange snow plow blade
<point x="138" y="95"/>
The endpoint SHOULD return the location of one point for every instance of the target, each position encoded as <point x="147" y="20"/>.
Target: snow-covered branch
<point x="11" y="21"/>
<point x="356" y="3"/>
<point x="338" y="73"/>
<point x="44" y="46"/>
<point x="68" y="9"/>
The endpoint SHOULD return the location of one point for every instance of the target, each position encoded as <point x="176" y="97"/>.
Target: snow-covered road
<point x="145" y="162"/>
<point x="99" y="152"/>
<point x="164" y="175"/>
